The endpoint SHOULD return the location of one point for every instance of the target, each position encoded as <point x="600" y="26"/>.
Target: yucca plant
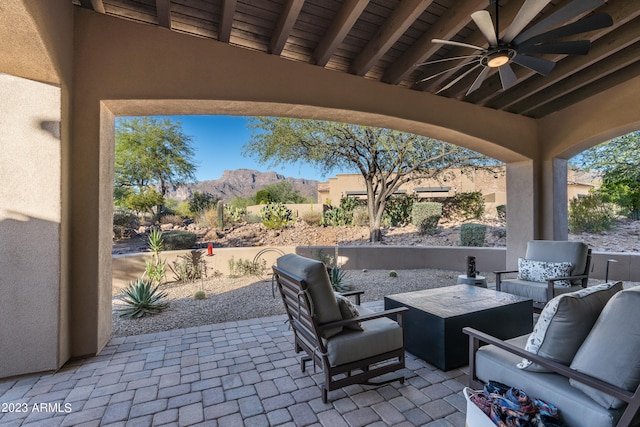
<point x="141" y="298"/>
<point x="337" y="275"/>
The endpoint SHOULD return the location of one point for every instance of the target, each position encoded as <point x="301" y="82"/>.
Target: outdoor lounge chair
<point x="350" y="350"/>
<point x="549" y="268"/>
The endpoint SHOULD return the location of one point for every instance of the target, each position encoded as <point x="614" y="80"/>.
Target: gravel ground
<point x="230" y="299"/>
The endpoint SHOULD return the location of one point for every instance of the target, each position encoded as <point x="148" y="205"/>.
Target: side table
<point x="480" y="281"/>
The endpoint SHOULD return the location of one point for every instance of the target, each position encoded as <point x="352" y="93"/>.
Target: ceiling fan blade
<point x="452" y="43"/>
<point x="539" y="65"/>
<point x="482" y="18"/>
<point x="478" y="81"/>
<point x="527" y="12"/>
<point x="457" y="79"/>
<point x="444" y="72"/>
<point x="453" y="58"/>
<point x="507" y="76"/>
<point x="562" y="15"/>
<point x="578" y="47"/>
<point x="593" y="22"/>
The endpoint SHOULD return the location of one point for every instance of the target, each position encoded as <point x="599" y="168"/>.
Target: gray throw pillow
<point x="565" y="322"/>
<point x="611" y="351"/>
<point x="348" y="311"/>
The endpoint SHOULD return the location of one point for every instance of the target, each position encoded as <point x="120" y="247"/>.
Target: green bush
<point x="398" y="210"/>
<point x="200" y="202"/>
<point x="425" y="216"/>
<point x="472" y="234"/>
<point x="590" y="213"/>
<point x="336" y="217"/>
<point x="502" y="212"/>
<point x="275" y="216"/>
<point x="465" y="206"/>
<point x="200" y="295"/>
<point x="177" y="239"/>
<point x="171" y="219"/>
<point x="393" y="273"/>
<point x="126" y="219"/>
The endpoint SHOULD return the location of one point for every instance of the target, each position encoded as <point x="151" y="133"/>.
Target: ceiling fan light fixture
<point x="497" y="58"/>
<point x="497" y="61"/>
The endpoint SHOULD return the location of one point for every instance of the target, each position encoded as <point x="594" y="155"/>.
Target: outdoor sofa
<point x="583" y="356"/>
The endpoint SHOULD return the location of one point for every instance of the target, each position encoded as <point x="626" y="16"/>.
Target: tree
<point x="152" y="153"/>
<point x="283" y="192"/>
<point x="200" y="202"/>
<point x="619" y="162"/>
<point x="385" y="158"/>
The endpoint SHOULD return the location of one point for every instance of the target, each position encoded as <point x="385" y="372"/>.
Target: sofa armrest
<point x="476" y="337"/>
<point x="499" y="274"/>
<point x="393" y="312"/>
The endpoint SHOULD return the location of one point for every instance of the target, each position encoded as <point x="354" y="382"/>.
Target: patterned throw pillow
<point x="348" y="311"/>
<point x="541" y="271"/>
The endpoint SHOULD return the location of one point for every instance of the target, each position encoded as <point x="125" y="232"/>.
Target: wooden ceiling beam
<point x="447" y="26"/>
<point x="95" y="5"/>
<point x="347" y="15"/>
<point x="285" y="24"/>
<point x="402" y="17"/>
<point x="227" y="10"/>
<point x="164" y="13"/>
<point x="585" y="77"/>
<point x="619" y="77"/>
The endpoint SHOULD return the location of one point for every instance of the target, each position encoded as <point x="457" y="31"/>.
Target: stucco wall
<point x="30" y="226"/>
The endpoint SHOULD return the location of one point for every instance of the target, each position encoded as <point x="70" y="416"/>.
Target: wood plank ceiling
<point x="383" y="40"/>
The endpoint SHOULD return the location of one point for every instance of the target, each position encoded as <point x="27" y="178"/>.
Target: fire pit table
<point x="433" y="325"/>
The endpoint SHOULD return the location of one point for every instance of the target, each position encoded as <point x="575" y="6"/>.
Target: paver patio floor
<point x="228" y="374"/>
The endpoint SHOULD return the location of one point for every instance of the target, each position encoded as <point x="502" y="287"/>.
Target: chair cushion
<point x="576" y="408"/>
<point x="378" y="336"/>
<point x="557" y="251"/>
<point x="565" y="322"/>
<point x="348" y="310"/>
<point x="611" y="351"/>
<point x="314" y="273"/>
<point x="537" y="291"/>
<point x="541" y="271"/>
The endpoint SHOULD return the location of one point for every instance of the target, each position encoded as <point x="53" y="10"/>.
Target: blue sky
<point x="218" y="142"/>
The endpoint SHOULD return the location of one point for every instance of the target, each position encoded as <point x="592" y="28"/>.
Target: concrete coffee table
<point x="433" y="325"/>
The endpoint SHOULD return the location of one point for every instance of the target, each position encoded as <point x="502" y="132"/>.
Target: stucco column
<point x="536" y="204"/>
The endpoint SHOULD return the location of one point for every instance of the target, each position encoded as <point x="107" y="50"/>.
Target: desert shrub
<point x="252" y="219"/>
<point x="337" y="276"/>
<point x="590" y="213"/>
<point x="126" y="219"/>
<point x="189" y="267"/>
<point x="393" y="273"/>
<point x="234" y="214"/>
<point x="200" y="202"/>
<point x="472" y="234"/>
<point x="200" y="295"/>
<point x="425" y="216"/>
<point x="263" y="197"/>
<point x="336" y="217"/>
<point x="312" y="217"/>
<point x="177" y="239"/>
<point x="171" y="219"/>
<point x="398" y="210"/>
<point x="502" y="212"/>
<point x="182" y="209"/>
<point x="465" y="206"/>
<point x="141" y="298"/>
<point x="361" y="216"/>
<point x="276" y="216"/>
<point x="208" y="218"/>
<point x="245" y="267"/>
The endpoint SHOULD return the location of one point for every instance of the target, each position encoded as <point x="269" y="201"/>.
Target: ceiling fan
<point x="517" y="46"/>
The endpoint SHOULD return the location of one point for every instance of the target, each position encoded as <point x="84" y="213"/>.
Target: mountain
<point x="242" y="183"/>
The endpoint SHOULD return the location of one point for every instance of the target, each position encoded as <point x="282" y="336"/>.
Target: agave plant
<point x="141" y="298"/>
<point x="337" y="275"/>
